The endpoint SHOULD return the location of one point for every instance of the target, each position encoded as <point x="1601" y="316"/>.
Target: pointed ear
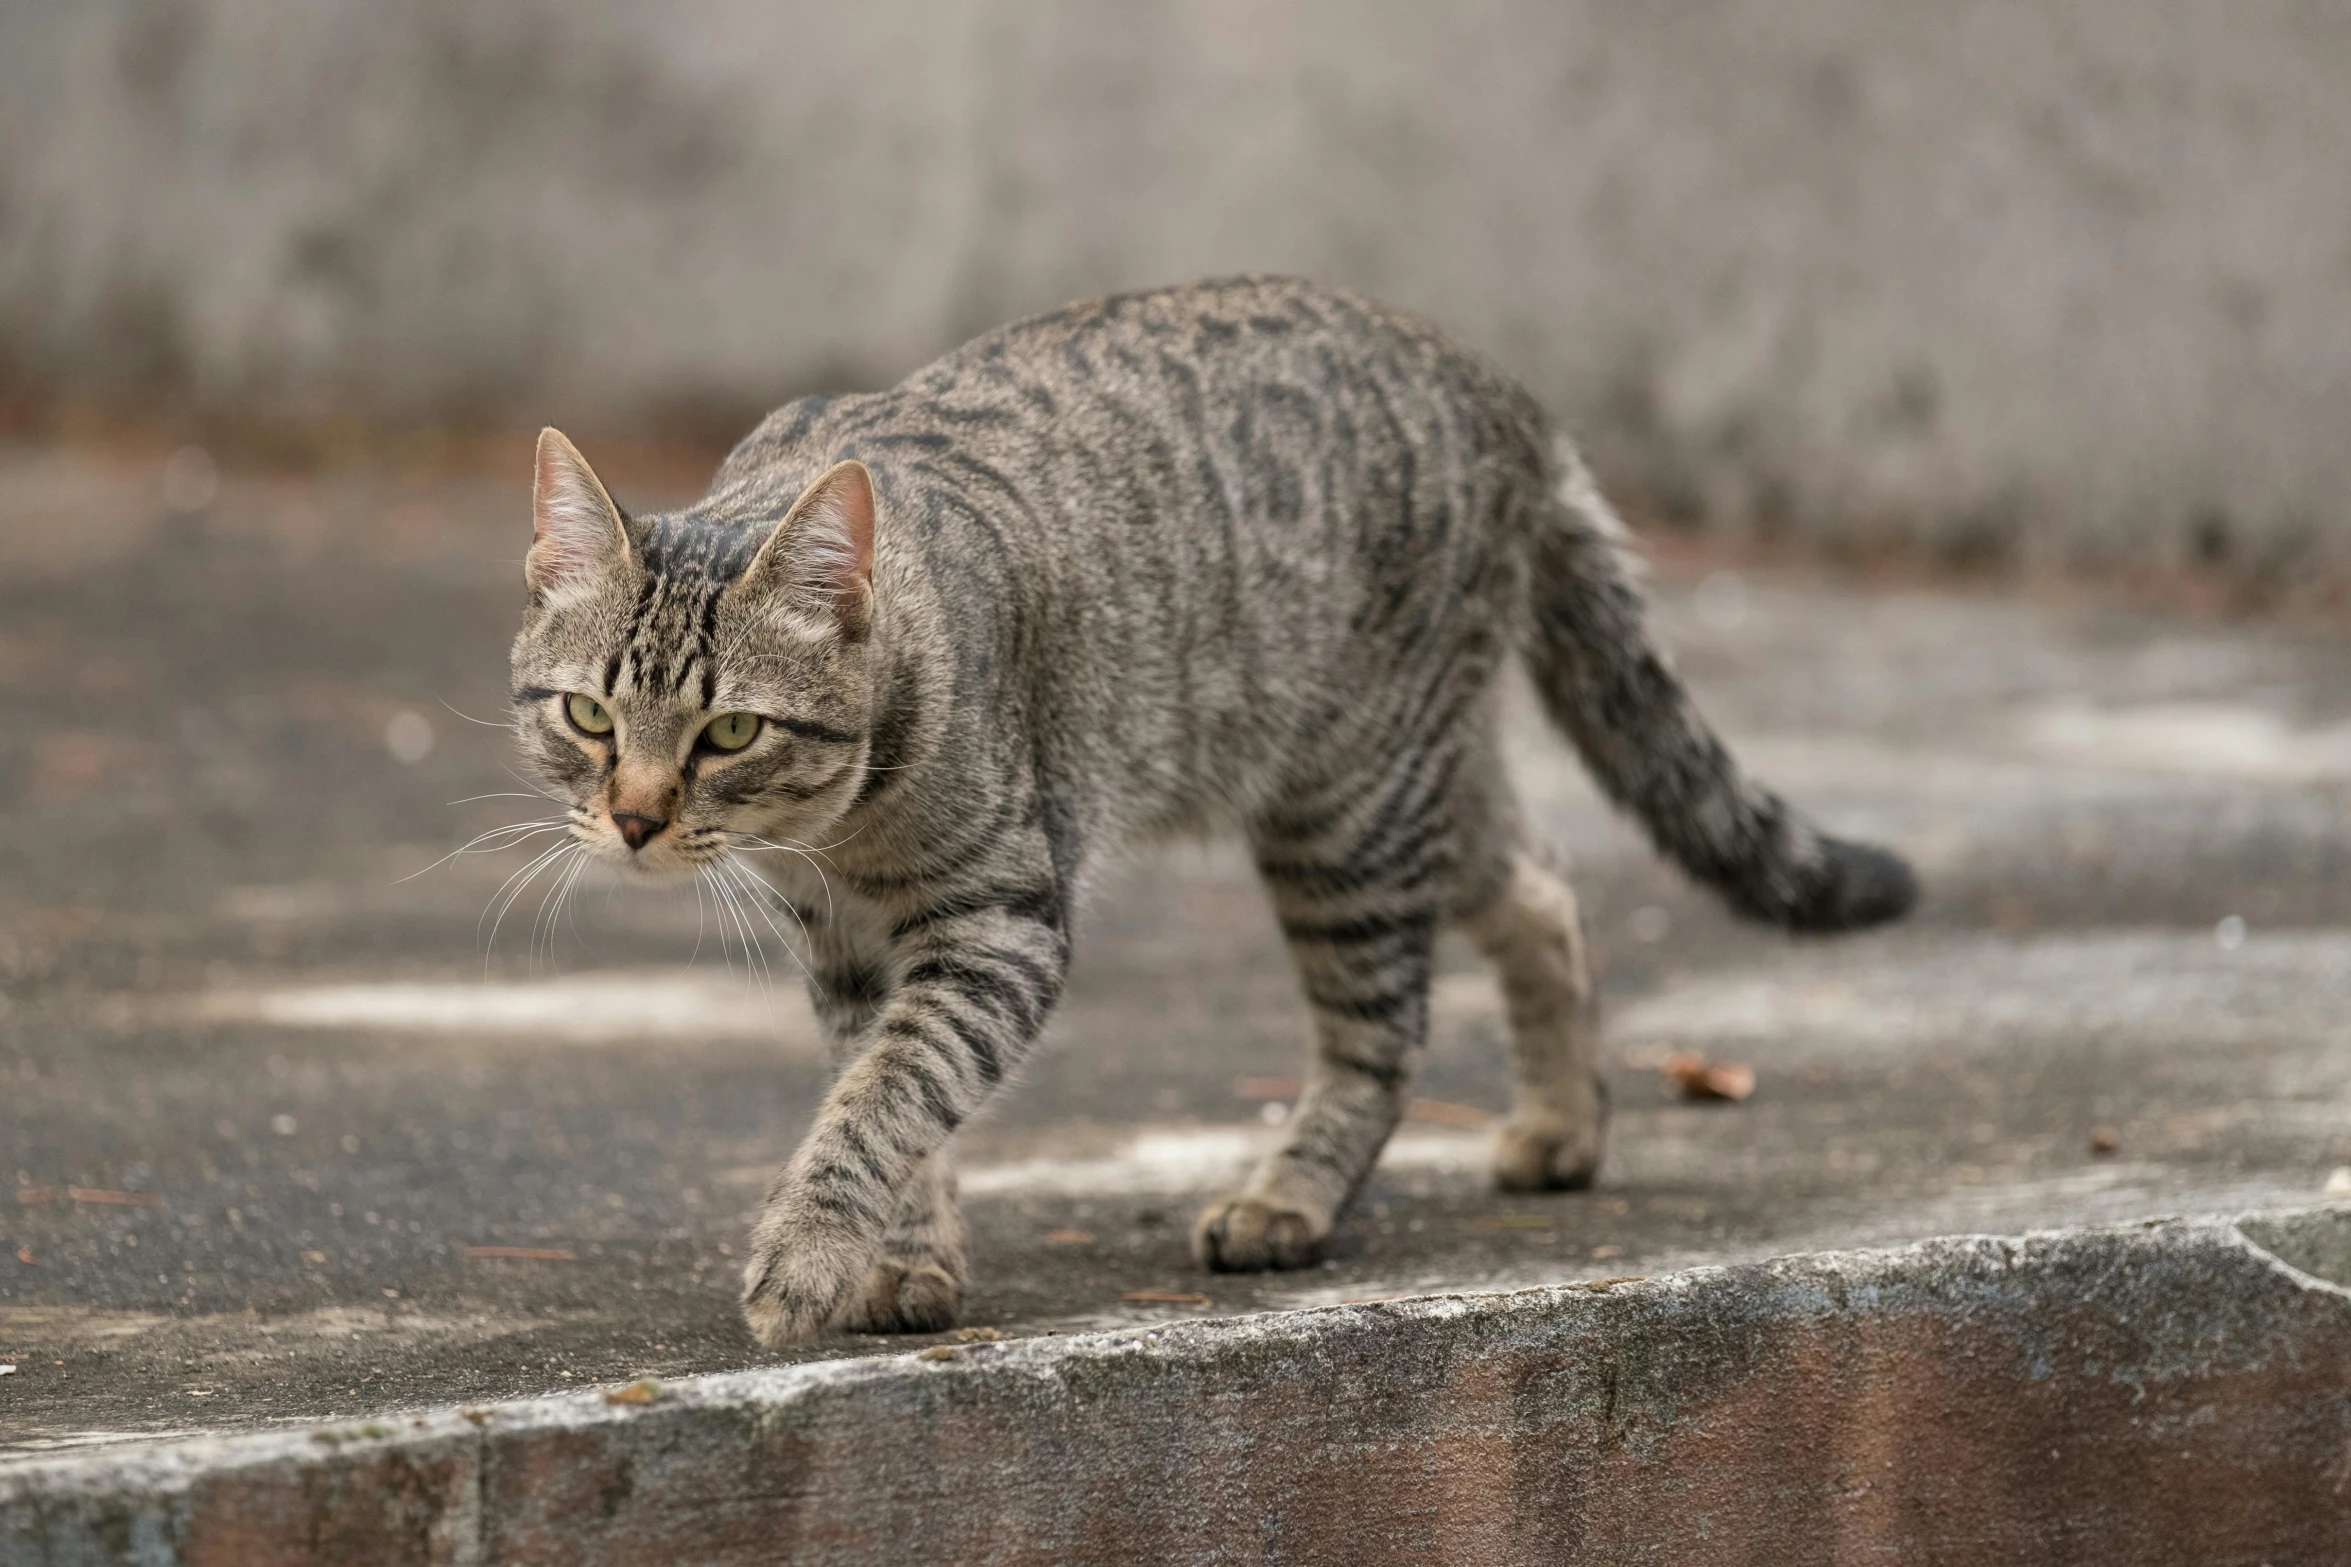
<point x="823" y="548"/>
<point x="576" y="531"/>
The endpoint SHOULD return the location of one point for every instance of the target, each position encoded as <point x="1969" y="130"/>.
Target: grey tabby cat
<point x="1242" y="554"/>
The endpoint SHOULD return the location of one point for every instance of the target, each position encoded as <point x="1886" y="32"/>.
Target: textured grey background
<point x="2023" y="278"/>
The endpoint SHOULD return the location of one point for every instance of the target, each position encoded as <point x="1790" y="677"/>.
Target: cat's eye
<point x="587" y="715"/>
<point x="731" y="731"/>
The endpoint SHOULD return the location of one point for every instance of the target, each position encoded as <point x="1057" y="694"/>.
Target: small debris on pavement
<point x="28" y="1196"/>
<point x="1700" y="1079"/>
<point x="7" y="1370"/>
<point x="940" y="1352"/>
<point x="645" y="1391"/>
<point x="524" y="1253"/>
<point x="1165" y="1297"/>
<point x="978" y="1335"/>
<point x="24" y="1254"/>
<point x="2338" y="1182"/>
<point x="1602" y="1253"/>
<point x="1070" y="1237"/>
<point x="2104" y="1139"/>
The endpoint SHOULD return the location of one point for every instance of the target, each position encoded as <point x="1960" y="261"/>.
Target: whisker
<point x="510" y="837"/>
<point x="805" y="853"/>
<point x="700" y="875"/>
<point x="718" y="907"/>
<point x="755" y="950"/>
<point x="544" y="794"/>
<point x="486" y="723"/>
<point x="551" y="910"/>
<point x="521" y="832"/>
<point x="520" y="882"/>
<point x="738" y="870"/>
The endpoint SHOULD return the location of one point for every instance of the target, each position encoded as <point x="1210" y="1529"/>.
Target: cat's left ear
<point x="823" y="549"/>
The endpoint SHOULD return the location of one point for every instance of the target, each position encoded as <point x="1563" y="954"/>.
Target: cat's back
<point x="1271" y="369"/>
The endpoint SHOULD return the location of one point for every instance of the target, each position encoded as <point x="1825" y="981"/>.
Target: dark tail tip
<point x="1859" y="885"/>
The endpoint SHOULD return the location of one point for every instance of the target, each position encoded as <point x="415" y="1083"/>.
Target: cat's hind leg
<point x="1524" y="919"/>
<point x="1359" y="888"/>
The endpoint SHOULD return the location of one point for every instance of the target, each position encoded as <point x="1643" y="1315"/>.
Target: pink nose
<point x="636" y="829"/>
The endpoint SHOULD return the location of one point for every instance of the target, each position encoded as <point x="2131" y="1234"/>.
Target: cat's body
<point x="1240" y="555"/>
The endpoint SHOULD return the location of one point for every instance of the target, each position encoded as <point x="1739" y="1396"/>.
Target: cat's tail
<point x="1609" y="687"/>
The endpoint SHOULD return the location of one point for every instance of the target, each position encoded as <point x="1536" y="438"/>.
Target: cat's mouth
<point x="666" y="855"/>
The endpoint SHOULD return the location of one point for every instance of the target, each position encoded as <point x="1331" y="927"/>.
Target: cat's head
<point x="690" y="683"/>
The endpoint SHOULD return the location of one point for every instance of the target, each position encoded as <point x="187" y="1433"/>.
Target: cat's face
<point x="685" y="704"/>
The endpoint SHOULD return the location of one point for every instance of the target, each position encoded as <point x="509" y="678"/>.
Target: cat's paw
<point x="904" y="1297"/>
<point x="1547" y="1153"/>
<point x="1251" y="1234"/>
<point x="800" y="1278"/>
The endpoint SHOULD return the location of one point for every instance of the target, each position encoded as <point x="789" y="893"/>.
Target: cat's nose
<point x="636" y="829"/>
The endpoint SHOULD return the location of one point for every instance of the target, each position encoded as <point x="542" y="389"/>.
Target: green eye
<point x="731" y="731"/>
<point x="587" y="714"/>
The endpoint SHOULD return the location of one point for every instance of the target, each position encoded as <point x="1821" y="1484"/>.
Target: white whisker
<point x="486" y="723"/>
<point x="739" y="871"/>
<point x="752" y="945"/>
<point x="508" y="836"/>
<point x="520" y="882"/>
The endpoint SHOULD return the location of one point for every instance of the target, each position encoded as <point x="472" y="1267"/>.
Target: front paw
<point x="800" y="1278"/>
<point x="901" y="1296"/>
<point x="1251" y="1234"/>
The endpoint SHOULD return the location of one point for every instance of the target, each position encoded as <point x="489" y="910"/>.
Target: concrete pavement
<point x="287" y="1146"/>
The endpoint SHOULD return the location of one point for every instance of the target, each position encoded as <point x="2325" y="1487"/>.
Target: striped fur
<point x="1243" y="554"/>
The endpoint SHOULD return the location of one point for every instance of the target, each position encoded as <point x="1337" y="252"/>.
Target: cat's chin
<point x="669" y="873"/>
<point x="646" y="870"/>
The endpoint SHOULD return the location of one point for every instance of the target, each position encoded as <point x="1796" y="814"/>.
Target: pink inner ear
<point x="829" y="538"/>
<point x="574" y="531"/>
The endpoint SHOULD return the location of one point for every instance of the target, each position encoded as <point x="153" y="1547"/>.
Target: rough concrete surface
<point x="2162" y="1393"/>
<point x="2012" y="277"/>
<point x="266" y="1093"/>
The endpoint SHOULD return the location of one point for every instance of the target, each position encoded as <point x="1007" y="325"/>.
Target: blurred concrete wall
<point x="2012" y="276"/>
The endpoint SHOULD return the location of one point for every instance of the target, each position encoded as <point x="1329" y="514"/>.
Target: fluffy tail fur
<point x="1607" y="685"/>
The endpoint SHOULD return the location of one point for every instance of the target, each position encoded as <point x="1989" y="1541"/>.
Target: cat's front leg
<point x="976" y="986"/>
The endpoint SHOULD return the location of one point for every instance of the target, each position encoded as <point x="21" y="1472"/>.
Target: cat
<point x="1241" y="554"/>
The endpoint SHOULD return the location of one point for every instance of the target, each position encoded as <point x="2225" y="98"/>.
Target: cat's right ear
<point x="577" y="536"/>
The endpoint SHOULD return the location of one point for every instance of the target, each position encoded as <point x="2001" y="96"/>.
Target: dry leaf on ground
<point x="1699" y="1078"/>
<point x="644" y="1392"/>
<point x="1444" y="1114"/>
